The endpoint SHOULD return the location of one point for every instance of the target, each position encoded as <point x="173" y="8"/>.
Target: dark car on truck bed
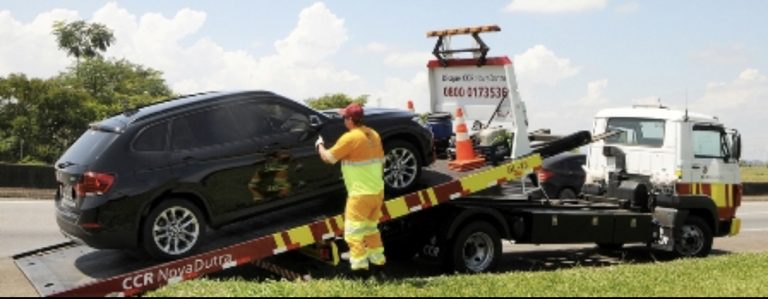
<point x="156" y="178"/>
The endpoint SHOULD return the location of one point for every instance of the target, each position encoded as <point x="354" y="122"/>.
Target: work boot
<point x="379" y="273"/>
<point x="363" y="274"/>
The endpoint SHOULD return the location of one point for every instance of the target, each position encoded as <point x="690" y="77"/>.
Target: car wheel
<point x="173" y="229"/>
<point x="476" y="248"/>
<point x="694" y="238"/>
<point x="402" y="166"/>
<point x="566" y="193"/>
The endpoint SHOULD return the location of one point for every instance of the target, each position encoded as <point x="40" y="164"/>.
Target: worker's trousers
<point x="361" y="230"/>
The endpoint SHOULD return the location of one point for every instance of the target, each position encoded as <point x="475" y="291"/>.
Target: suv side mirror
<point x="315" y="122"/>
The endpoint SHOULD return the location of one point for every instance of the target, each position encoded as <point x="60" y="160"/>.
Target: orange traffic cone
<point x="410" y="106"/>
<point x="465" y="154"/>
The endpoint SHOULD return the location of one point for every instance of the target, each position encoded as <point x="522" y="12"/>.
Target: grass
<point x="731" y="275"/>
<point x="754" y="174"/>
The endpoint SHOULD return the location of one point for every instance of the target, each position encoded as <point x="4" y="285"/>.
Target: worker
<point x="362" y="165"/>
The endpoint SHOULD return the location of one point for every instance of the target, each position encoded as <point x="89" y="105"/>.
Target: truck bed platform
<point x="69" y="269"/>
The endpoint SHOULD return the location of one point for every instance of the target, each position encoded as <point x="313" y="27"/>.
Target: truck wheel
<point x="402" y="166"/>
<point x="173" y="229"/>
<point x="694" y="238"/>
<point x="476" y="248"/>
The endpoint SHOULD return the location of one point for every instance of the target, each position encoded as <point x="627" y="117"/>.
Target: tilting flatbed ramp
<point x="113" y="273"/>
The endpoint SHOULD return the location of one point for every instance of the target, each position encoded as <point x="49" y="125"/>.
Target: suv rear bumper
<point x="96" y="238"/>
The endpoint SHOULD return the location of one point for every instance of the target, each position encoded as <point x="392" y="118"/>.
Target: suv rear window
<point x="88" y="147"/>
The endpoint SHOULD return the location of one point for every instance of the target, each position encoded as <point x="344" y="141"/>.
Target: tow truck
<point x="659" y="177"/>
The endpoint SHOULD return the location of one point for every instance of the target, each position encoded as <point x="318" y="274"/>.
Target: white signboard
<point x="476" y="89"/>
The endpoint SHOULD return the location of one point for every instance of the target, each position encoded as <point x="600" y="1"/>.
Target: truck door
<point x="712" y="171"/>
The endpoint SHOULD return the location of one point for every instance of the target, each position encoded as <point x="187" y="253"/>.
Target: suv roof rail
<point x="133" y="110"/>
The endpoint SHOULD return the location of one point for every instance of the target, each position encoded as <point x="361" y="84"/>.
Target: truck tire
<point x="173" y="229"/>
<point x="475" y="249"/>
<point x="694" y="238"/>
<point x="402" y="166"/>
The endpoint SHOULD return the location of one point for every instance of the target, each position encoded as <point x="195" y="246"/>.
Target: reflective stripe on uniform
<point x="357" y="230"/>
<point x="363" y="177"/>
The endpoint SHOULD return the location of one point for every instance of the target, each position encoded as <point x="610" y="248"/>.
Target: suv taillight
<point x="94" y="183"/>
<point x="544" y="175"/>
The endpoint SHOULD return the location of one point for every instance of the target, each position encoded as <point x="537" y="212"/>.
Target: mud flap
<point x="665" y="220"/>
<point x="326" y="252"/>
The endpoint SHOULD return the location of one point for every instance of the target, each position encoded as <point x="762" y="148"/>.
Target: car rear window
<point x="89" y="147"/>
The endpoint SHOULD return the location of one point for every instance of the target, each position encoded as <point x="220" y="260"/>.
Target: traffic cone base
<point x="466" y="165"/>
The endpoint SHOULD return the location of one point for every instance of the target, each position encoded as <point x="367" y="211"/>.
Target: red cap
<point x="353" y="111"/>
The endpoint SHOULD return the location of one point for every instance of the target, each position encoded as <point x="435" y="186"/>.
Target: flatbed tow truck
<point x="459" y="219"/>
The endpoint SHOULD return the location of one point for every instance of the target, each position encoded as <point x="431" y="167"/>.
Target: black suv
<point x="158" y="177"/>
<point x="560" y="176"/>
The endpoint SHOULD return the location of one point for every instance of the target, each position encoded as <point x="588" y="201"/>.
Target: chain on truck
<point x="657" y="176"/>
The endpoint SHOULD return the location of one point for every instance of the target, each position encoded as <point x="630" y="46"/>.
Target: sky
<point x="571" y="57"/>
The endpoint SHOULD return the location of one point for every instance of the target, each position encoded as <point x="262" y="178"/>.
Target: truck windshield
<point x="637" y="131"/>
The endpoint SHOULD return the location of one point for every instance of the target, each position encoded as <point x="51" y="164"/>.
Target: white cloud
<point x="409" y="59"/>
<point x="554" y="6"/>
<point x="31" y="48"/>
<point x="299" y="67"/>
<point x="397" y="92"/>
<point x="318" y="35"/>
<point x="374" y="47"/>
<point x="539" y="65"/>
<point x="595" y="95"/>
<point x="740" y="104"/>
<point x="629" y="7"/>
<point x="748" y="89"/>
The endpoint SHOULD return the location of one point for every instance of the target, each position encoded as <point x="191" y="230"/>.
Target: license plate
<point x="66" y="196"/>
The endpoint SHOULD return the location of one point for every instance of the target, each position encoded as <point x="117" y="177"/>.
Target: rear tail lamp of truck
<point x="94" y="183"/>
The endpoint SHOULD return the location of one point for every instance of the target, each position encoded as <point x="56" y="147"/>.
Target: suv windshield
<point x="636" y="131"/>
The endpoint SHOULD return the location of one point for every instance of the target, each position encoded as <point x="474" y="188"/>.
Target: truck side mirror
<point x="736" y="146"/>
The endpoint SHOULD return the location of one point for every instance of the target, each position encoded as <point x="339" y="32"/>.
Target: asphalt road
<point x="27" y="225"/>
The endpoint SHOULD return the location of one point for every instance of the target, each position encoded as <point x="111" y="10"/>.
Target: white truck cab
<point x="669" y="159"/>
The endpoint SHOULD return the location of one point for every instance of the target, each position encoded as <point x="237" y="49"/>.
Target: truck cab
<point x="667" y="161"/>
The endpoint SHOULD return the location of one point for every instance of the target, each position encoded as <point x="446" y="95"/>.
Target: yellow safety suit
<point x="362" y="164"/>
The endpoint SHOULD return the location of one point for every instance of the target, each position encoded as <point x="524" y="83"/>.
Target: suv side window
<point x="260" y="119"/>
<point x="203" y="128"/>
<point x="251" y="120"/>
<point x="285" y="119"/>
<point x="152" y="139"/>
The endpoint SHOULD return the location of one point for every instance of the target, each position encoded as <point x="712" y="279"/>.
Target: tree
<point x="336" y="100"/>
<point x="81" y="39"/>
<point x="116" y="85"/>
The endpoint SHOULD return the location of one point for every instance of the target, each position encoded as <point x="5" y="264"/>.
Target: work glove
<point x="319" y="141"/>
